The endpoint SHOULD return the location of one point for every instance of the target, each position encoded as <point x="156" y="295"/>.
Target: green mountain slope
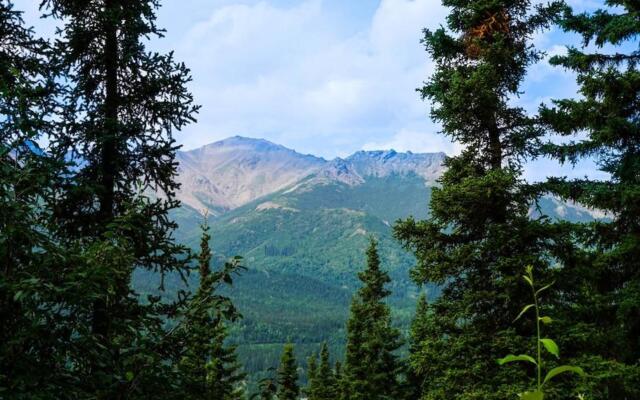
<point x="303" y="247"/>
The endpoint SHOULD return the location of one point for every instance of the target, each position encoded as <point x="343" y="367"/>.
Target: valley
<point x="301" y="224"/>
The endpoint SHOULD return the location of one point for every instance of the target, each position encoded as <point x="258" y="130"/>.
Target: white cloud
<point x="289" y="71"/>
<point x="288" y="74"/>
<point x="417" y="142"/>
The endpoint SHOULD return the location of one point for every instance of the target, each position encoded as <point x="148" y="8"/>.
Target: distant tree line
<point x="87" y="180"/>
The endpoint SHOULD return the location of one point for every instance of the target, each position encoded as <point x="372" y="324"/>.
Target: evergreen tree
<point x="341" y="383"/>
<point x="322" y="380"/>
<point x="371" y="368"/>
<point x="209" y="366"/>
<point x="122" y="106"/>
<point x="312" y="376"/>
<point x="326" y="381"/>
<point x="30" y="259"/>
<point x="602" y="290"/>
<point x="268" y="390"/>
<point x="418" y="356"/>
<point x="288" y="388"/>
<point x="480" y="233"/>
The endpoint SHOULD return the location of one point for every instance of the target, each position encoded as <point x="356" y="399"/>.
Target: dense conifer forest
<point x="521" y="305"/>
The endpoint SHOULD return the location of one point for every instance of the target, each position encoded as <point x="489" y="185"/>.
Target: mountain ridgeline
<point x="228" y="174"/>
<point x="302" y="224"/>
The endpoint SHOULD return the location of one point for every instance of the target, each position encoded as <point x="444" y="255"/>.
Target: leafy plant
<point x="549" y="344"/>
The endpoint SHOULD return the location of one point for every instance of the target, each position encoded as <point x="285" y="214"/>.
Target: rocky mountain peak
<point x="340" y="170"/>
<point x="381" y="163"/>
<point x="232" y="172"/>
<point x="238" y="170"/>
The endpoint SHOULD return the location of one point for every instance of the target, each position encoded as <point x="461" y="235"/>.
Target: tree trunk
<point x="108" y="142"/>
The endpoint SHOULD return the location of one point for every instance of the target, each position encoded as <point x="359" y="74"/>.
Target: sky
<point x="326" y="77"/>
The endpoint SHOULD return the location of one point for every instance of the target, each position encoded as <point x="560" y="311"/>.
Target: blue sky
<point x="327" y="77"/>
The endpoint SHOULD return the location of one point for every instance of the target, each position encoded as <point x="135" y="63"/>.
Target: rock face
<point x="225" y="175"/>
<point x="381" y="164"/>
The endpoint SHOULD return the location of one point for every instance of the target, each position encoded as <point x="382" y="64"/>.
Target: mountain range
<point x="302" y="223"/>
<point x="230" y="173"/>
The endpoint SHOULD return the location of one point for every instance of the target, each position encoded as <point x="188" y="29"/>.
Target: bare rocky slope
<point x="225" y="175"/>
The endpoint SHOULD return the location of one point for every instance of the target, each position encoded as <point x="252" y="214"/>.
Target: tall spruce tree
<point x="372" y="367"/>
<point x="479" y="233"/>
<point x="602" y="291"/>
<point x="122" y="106"/>
<point x="30" y="259"/>
<point x="209" y="367"/>
<point x="288" y="388"/>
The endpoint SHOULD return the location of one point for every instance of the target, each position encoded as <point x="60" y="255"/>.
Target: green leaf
<point x="544" y="288"/>
<point x="512" y="358"/>
<point x="529" y="281"/>
<point x="562" y="369"/>
<point x="537" y="395"/>
<point x="129" y="376"/>
<point x="524" y="310"/>
<point x="18" y="295"/>
<point x="551" y="347"/>
<point x="546" y="320"/>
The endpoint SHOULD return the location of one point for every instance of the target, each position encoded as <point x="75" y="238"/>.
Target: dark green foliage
<point x="288" y="388"/>
<point x="323" y="384"/>
<point x="135" y="360"/>
<point x="121" y="106"/>
<point x="421" y="328"/>
<point x="312" y="374"/>
<point x="479" y="232"/>
<point x="603" y="288"/>
<point x="327" y="384"/>
<point x="31" y="261"/>
<point x="372" y="367"/>
<point x="268" y="390"/>
<point x="121" y="109"/>
<point x="341" y="382"/>
<point x="209" y="367"/>
<point x="72" y="327"/>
